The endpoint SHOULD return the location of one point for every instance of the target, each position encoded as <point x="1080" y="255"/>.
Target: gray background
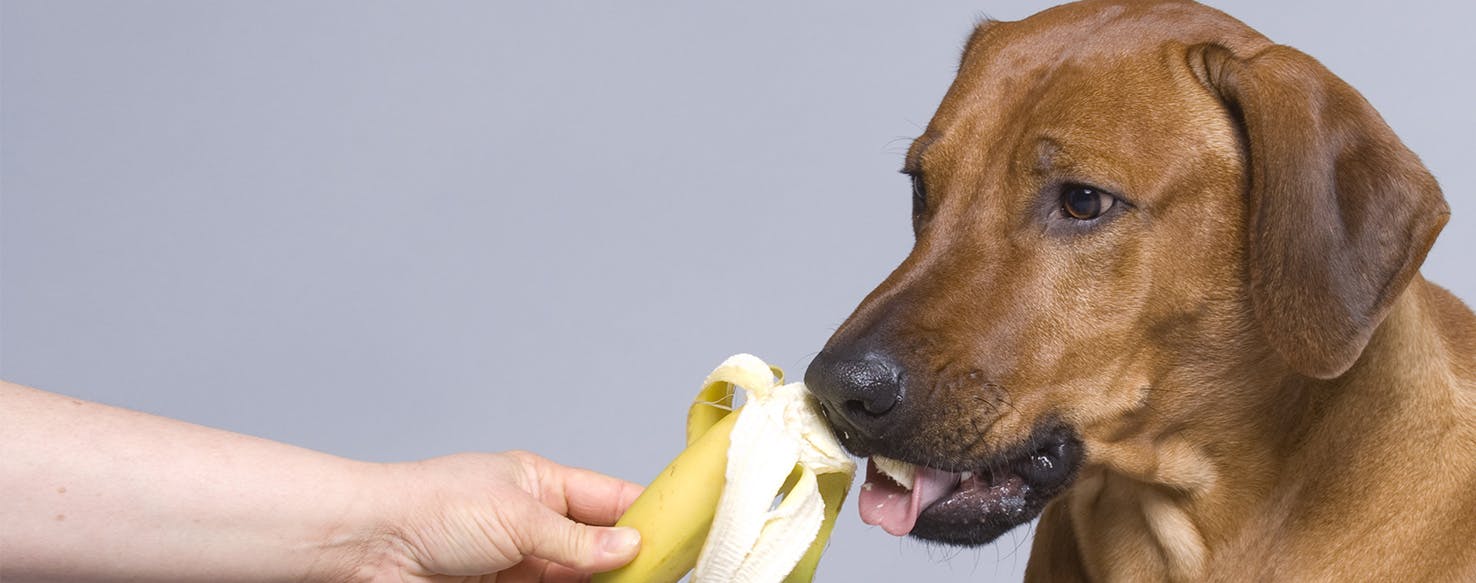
<point x="398" y="230"/>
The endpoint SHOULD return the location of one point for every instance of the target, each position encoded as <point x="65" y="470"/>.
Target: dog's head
<point x="1116" y="204"/>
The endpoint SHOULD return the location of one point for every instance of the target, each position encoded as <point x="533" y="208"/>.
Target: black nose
<point x="861" y="389"/>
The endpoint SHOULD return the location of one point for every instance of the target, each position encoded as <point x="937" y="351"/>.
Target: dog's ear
<point x="1339" y="213"/>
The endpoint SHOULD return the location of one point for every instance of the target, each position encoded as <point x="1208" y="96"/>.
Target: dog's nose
<point x="862" y="389"/>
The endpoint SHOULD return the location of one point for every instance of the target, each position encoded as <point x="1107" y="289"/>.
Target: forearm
<point x="92" y="492"/>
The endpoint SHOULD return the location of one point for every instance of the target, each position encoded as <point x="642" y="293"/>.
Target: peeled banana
<point x="713" y="510"/>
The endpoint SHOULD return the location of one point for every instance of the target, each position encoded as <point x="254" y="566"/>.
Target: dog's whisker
<point x="893" y="141"/>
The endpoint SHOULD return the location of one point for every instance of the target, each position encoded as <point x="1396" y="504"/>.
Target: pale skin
<point x="90" y="492"/>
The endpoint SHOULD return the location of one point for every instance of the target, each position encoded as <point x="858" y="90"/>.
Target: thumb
<point x="551" y="536"/>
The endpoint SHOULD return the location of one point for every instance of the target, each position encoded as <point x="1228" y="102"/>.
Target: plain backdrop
<point x="398" y="230"/>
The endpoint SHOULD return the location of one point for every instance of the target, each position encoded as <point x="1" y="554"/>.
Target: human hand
<point x="505" y="517"/>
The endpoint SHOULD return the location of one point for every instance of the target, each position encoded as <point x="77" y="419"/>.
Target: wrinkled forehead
<point x="1092" y="51"/>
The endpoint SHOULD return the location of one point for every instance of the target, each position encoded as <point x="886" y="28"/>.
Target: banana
<point x="899" y="471"/>
<point x="712" y="511"/>
<point x="676" y="511"/>
<point x="833" y="488"/>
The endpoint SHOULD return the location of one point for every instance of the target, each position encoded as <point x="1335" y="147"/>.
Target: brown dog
<point x="1165" y="295"/>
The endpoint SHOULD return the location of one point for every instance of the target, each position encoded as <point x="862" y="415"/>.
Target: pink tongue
<point x="887" y="504"/>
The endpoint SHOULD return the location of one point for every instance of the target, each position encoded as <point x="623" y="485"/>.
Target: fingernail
<point x="621" y="540"/>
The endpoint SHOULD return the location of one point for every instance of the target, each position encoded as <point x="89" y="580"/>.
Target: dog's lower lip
<point x="972" y="483"/>
<point x="1004" y="493"/>
<point x="996" y="488"/>
<point x="980" y="508"/>
<point x="1042" y="467"/>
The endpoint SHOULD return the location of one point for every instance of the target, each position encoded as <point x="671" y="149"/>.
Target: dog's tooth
<point x="964" y="477"/>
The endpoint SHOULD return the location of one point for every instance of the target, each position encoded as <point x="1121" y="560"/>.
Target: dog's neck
<point x="1172" y="496"/>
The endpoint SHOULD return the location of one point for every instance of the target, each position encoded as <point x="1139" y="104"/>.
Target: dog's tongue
<point x="885" y="503"/>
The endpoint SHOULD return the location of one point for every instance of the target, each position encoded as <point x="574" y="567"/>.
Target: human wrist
<point x="361" y="541"/>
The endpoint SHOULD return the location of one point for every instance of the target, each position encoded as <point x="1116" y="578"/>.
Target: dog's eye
<point x="919" y="196"/>
<point x="1083" y="203"/>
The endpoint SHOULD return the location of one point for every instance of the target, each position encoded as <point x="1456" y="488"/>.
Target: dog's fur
<point x="1265" y="386"/>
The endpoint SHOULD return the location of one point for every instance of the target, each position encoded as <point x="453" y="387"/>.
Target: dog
<point x="1164" y="295"/>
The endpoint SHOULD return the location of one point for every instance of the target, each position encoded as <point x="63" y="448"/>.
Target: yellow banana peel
<point x="712" y="511"/>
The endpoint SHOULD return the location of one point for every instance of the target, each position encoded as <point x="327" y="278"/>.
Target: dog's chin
<point x="1005" y="491"/>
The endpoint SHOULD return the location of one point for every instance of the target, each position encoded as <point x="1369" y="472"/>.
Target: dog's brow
<point x="913" y="163"/>
<point x="1079" y="162"/>
<point x="1046" y="150"/>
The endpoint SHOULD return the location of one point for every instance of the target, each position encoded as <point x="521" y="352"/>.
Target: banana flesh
<point x="713" y="508"/>
<point x="899" y="471"/>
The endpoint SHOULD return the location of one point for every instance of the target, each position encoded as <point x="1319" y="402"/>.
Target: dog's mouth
<point x="970" y="507"/>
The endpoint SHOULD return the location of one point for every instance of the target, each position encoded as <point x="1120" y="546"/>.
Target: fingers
<point x="556" y="573"/>
<point x="594" y="498"/>
<point x="536" y="570"/>
<point x="587" y="496"/>
<point x="543" y="533"/>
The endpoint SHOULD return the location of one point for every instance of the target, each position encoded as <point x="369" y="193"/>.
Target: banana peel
<point x="712" y="510"/>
